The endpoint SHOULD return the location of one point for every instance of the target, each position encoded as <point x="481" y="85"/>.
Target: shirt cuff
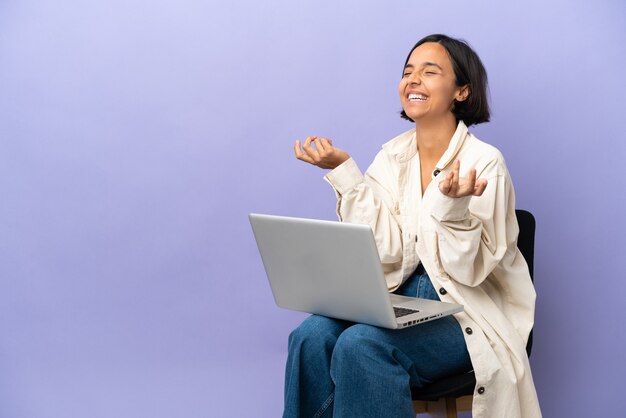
<point x="345" y="176"/>
<point x="451" y="208"/>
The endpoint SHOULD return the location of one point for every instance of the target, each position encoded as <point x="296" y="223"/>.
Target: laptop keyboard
<point x="403" y="311"/>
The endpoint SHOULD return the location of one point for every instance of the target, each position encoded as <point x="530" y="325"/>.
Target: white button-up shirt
<point x="468" y="247"/>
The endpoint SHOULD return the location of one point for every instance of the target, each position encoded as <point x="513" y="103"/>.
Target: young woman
<point x="442" y="208"/>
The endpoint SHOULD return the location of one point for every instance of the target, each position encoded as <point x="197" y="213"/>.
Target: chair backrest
<point x="526" y="245"/>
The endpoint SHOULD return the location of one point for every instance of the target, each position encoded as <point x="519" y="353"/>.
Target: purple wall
<point x="135" y="136"/>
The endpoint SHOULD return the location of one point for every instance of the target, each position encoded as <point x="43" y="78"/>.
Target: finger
<point x="471" y="176"/>
<point x="453" y="177"/>
<point x="296" y="148"/>
<point x="301" y="155"/>
<point x="471" y="182"/>
<point x="446" y="184"/>
<point x="307" y="141"/>
<point x="310" y="151"/>
<point x="326" y="143"/>
<point x="302" y="150"/>
<point x="307" y="159"/>
<point x="456" y="171"/>
<point x="452" y="182"/>
<point x="319" y="145"/>
<point x="480" y="187"/>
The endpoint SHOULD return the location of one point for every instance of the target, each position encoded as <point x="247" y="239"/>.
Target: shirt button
<point x="436" y="172"/>
<point x="442" y="291"/>
<point x="481" y="390"/>
<point x="469" y="332"/>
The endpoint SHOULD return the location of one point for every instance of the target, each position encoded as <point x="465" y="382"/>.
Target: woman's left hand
<point x="455" y="186"/>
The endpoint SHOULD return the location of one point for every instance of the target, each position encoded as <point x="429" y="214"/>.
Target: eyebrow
<point x="426" y="64"/>
<point x="432" y="64"/>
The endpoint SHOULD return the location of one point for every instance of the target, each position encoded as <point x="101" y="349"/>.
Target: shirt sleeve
<point x="366" y="199"/>
<point x="474" y="232"/>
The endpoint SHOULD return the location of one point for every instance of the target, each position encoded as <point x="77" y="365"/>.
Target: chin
<point x="415" y="117"/>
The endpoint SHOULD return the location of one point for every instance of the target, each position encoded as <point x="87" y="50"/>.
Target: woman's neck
<point x="433" y="138"/>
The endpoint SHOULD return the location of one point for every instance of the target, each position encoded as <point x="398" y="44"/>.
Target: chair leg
<point x="443" y="408"/>
<point x="420" y="407"/>
<point x="451" y="407"/>
<point x="464" y="403"/>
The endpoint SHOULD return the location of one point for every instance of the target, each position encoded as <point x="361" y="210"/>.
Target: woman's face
<point x="428" y="89"/>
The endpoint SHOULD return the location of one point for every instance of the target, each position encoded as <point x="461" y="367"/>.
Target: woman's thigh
<point x="319" y="327"/>
<point x="428" y="351"/>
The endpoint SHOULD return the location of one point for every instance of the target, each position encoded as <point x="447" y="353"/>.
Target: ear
<point x="463" y="93"/>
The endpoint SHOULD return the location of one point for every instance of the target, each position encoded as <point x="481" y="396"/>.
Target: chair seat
<point x="449" y="387"/>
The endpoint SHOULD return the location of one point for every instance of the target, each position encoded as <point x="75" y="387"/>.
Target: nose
<point x="414" y="78"/>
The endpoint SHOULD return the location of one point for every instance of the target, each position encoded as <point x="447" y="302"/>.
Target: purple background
<point x="136" y="136"/>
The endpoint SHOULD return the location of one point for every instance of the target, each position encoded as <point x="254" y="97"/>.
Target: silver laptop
<point x="333" y="269"/>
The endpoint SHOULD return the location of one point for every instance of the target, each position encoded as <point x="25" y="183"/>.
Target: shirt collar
<point x="404" y="147"/>
<point x="457" y="141"/>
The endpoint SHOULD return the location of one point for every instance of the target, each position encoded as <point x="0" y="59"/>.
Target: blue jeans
<point x="342" y="369"/>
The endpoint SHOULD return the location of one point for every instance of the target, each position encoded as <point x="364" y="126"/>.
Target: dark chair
<point x="444" y="397"/>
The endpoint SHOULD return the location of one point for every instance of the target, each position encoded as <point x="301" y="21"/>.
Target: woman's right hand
<point x="323" y="154"/>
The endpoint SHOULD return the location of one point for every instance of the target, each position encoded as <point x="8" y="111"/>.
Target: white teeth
<point x="414" y="97"/>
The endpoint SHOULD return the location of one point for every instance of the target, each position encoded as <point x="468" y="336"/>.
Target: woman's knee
<point x="363" y="351"/>
<point x="316" y="332"/>
<point x="357" y="340"/>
